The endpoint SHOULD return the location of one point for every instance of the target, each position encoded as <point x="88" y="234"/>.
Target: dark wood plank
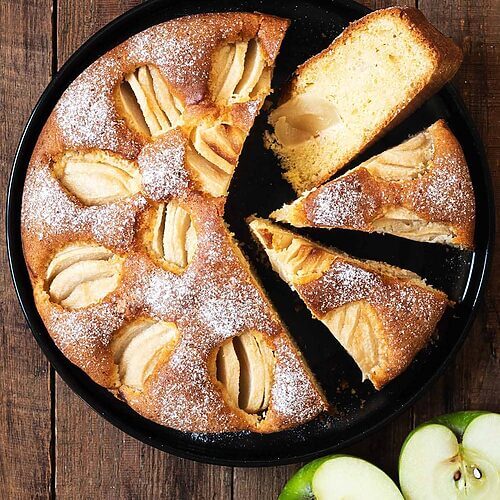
<point x="77" y="20"/>
<point x="99" y="459"/>
<point x="25" y="423"/>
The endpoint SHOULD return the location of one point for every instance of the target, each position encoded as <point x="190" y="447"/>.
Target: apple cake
<point x="135" y="275"/>
<point x="382" y="315"/>
<point x="371" y="77"/>
<point x="420" y="189"/>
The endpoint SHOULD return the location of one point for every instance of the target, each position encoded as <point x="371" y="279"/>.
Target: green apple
<point x="456" y="456"/>
<point x="340" y="477"/>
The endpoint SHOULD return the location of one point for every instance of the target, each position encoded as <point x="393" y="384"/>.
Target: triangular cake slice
<point x="371" y="77"/>
<point x="420" y="189"/>
<point x="382" y="315"/>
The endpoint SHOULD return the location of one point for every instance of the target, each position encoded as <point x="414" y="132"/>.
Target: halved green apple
<point x="339" y="477"/>
<point x="456" y="456"/>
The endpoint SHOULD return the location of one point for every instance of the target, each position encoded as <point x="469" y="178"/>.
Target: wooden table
<point x="51" y="443"/>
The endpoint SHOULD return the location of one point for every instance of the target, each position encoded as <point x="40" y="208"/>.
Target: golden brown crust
<point x="182" y="49"/>
<point x="405" y="310"/>
<point x="441" y="194"/>
<point x="215" y="297"/>
<point x="447" y="59"/>
<point x="447" y="54"/>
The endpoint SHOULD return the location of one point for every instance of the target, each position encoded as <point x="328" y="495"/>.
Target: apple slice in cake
<point x="420" y="189"/>
<point x="382" y="315"/>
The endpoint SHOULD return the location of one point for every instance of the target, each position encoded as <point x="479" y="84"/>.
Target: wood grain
<point x="92" y="458"/>
<point x="25" y="420"/>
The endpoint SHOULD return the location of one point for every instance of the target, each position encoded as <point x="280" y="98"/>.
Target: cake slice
<point x="420" y="189"/>
<point x="382" y="315"/>
<point x="377" y="72"/>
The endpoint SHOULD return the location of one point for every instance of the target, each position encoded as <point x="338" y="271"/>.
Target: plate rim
<point x="18" y="268"/>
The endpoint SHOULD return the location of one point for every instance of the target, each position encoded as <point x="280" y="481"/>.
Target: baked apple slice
<point x="245" y="366"/>
<point x="138" y="348"/>
<point x="80" y="275"/>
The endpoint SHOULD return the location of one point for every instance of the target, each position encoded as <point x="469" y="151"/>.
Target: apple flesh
<point x="455" y="456"/>
<point x="339" y="477"/>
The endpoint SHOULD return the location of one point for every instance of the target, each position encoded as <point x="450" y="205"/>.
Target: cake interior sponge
<point x="372" y="76"/>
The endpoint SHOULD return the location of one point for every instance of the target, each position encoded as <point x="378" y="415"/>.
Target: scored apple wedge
<point x="245" y="366"/>
<point x="240" y="71"/>
<point x="97" y="177"/>
<point x="146" y="102"/>
<point x="453" y="457"/>
<point x="172" y="236"/>
<point x="80" y="275"/>
<point x="382" y="315"/>
<point x="420" y="190"/>
<point x="139" y="346"/>
<point x="212" y="155"/>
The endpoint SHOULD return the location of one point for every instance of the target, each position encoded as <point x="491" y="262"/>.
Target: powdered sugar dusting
<point x="343" y="202"/>
<point x="293" y="395"/>
<point x="185" y="398"/>
<point x="235" y="307"/>
<point x="180" y="60"/>
<point x="49" y="210"/>
<point x="446" y="194"/>
<point x="408" y="311"/>
<point x="182" y="49"/>
<point x="440" y="193"/>
<point x="162" y="166"/>
<point x="84" y="330"/>
<point x="165" y="294"/>
<point x="215" y="297"/>
<point x="342" y="283"/>
<point x="86" y="114"/>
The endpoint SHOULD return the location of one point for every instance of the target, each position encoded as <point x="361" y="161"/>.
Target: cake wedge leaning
<point x="382" y="315"/>
<point x="372" y="76"/>
<point x="420" y="190"/>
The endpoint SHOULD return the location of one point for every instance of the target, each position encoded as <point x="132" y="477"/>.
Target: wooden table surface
<point x="51" y="443"/>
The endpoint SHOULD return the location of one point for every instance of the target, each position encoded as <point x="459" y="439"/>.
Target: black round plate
<point x="259" y="188"/>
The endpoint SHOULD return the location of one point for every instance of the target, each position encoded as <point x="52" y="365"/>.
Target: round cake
<point x="135" y="275"/>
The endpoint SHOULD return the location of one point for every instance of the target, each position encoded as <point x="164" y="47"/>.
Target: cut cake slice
<point x="372" y="76"/>
<point x="382" y="315"/>
<point x="420" y="189"/>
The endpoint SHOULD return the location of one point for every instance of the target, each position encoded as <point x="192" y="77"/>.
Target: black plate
<point x="258" y="188"/>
